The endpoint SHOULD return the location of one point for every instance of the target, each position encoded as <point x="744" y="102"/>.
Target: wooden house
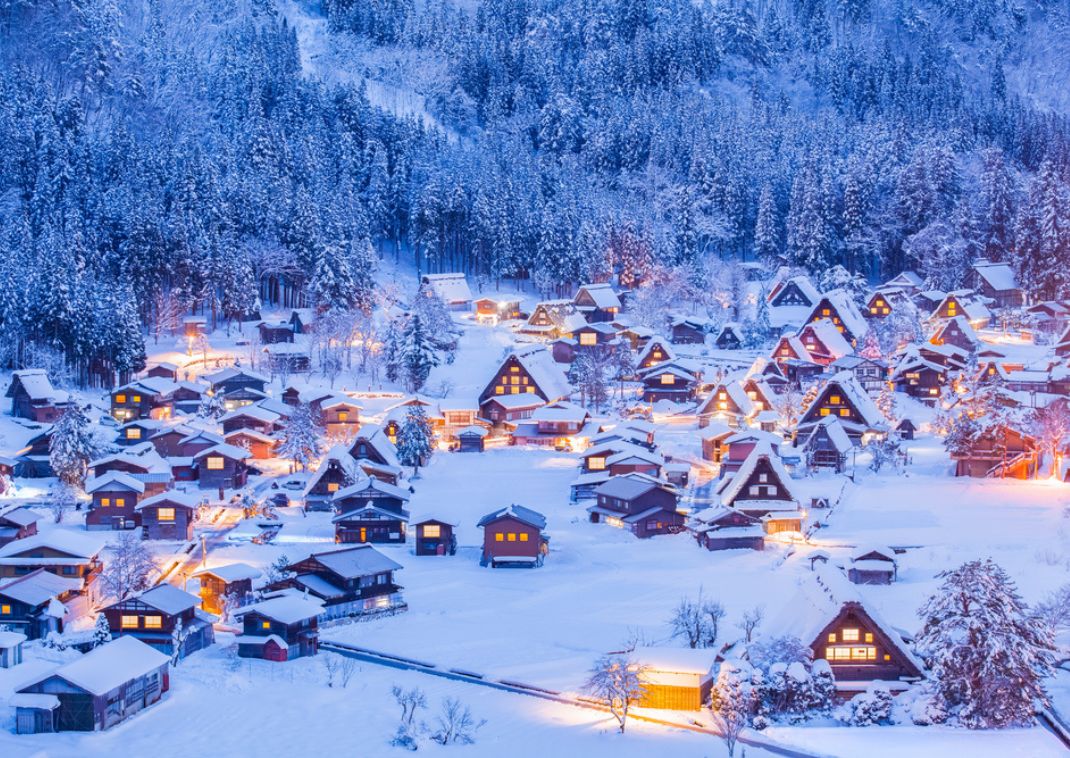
<point x="253" y="417"/>
<point x="562" y="425"/>
<point x="272" y="333"/>
<point x="656" y="351"/>
<point x="373" y="444"/>
<point x="230" y="583"/>
<point x="723" y="528"/>
<point x="879" y="305"/>
<point x="689" y="330"/>
<point x="837" y="307"/>
<point x="644" y="507"/>
<point x="634" y="335"/>
<point x="370" y="522"/>
<point x="906" y="429"/>
<point x="919" y="377"/>
<point x="222" y="466"/>
<point x="302" y="319"/>
<point x="508" y="409"/>
<point x="958" y="332"/>
<point x="115" y="498"/>
<point x="529" y="370"/>
<point x="794" y="292"/>
<point x="513" y="536"/>
<point x="33" y="603"/>
<point x="452" y="288"/>
<point x="140" y="430"/>
<point x="827" y="445"/>
<point x="907" y="282"/>
<point x="671" y="382"/>
<point x="163" y="370"/>
<point x="1001" y="452"/>
<point x="844" y="398"/>
<point x="870" y="373"/>
<point x="434" y="537"/>
<point x="729" y="403"/>
<point x="597" y="302"/>
<point x="553" y="319"/>
<point x="492" y="310"/>
<point x="340" y="416"/>
<point x="713" y="442"/>
<point x="729" y="337"/>
<point x="471" y="439"/>
<point x="281" y="628"/>
<point x="676" y="679"/>
<point x="33" y="397"/>
<point x="151" y="397"/>
<point x="1049" y="317"/>
<point x="873" y="565"/>
<point x="168" y="516"/>
<point x="194" y="326"/>
<point x="237" y="386"/>
<point x="141" y="462"/>
<point x="260" y="446"/>
<point x="826" y="612"/>
<point x="964" y="303"/>
<point x="17" y="524"/>
<point x="151" y="616"/>
<point x="350" y="581"/>
<point x="996" y="282"/>
<point x="823" y="342"/>
<point x="790" y="348"/>
<point x="32" y="461"/>
<point x="738" y="445"/>
<point x="762" y="488"/>
<point x="59" y="551"/>
<point x="337" y="470"/>
<point x="95" y="691"/>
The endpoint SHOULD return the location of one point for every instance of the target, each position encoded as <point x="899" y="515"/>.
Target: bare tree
<point x="1051" y="425"/>
<point x="619" y="682"/>
<point x="410" y="702"/>
<point x="129" y="569"/>
<point x="750" y="622"/>
<point x="456" y="725"/>
<point x="697" y="622"/>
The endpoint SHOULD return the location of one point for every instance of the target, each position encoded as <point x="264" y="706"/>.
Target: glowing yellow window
<point x="214" y="463"/>
<point x="887" y="657"/>
<point x="832" y="636"/>
<point x="133" y="433"/>
<point x="499" y="537"/>
<point x="5" y="610"/>
<point x="137" y="398"/>
<point x="824" y="411"/>
<point x="128" y="622"/>
<point x="499" y="390"/>
<point x="343" y="415"/>
<point x="514" y="369"/>
<point x="432" y="530"/>
<point x="951" y="308"/>
<point x="850" y="635"/>
<point x="153" y="622"/>
<point x="514" y="380"/>
<point x="523" y="536"/>
<point x="332" y="486"/>
<point x="511" y="537"/>
<point x="120" y="398"/>
<point x="667" y="378"/>
<point x="835" y="399"/>
<point x="869" y="636"/>
<point x="105" y="502"/>
<point x="588" y="338"/>
<point x="530" y="390"/>
<point x="265" y="624"/>
<point x="873" y="309"/>
<point x="596" y="463"/>
<point x="165" y="514"/>
<point x="723" y="406"/>
<point x="825" y="311"/>
<point x="514" y="390"/>
<point x="120" y="502"/>
<point x="845" y="412"/>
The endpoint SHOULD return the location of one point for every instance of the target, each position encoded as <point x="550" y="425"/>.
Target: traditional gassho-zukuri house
<point x="513" y="536"/>
<point x="793" y="292"/>
<point x="963" y="303"/>
<point x="350" y="581"/>
<point x="1002" y="452"/>
<point x="656" y="351"/>
<point x="838" y="307"/>
<point x="643" y="506"/>
<point x="844" y="398"/>
<point x="824" y="342"/>
<point x="529" y="370"/>
<point x="100" y="689"/>
<point x="827" y="613"/>
<point x="452" y="288"/>
<point x="33" y="397"/>
<point x="597" y="302"/>
<point x="762" y="489"/>
<point x="729" y="402"/>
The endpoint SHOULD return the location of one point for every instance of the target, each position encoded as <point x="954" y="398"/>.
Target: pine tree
<point x="72" y="447"/>
<point x="996" y="218"/>
<point x="302" y="437"/>
<point x="417" y="353"/>
<point x="101" y="631"/>
<point x="767" y="229"/>
<point x="415" y="439"/>
<point x="989" y="655"/>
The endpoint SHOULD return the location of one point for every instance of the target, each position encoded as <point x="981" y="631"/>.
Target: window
<point x="825" y="312"/>
<point x="755" y="490"/>
<point x="165" y="514"/>
<point x="588" y="339"/>
<point x="530" y="390"/>
<point x="133" y="433"/>
<point x="596" y="463"/>
<point x="722" y="406"/>
<point x="511" y="537"/>
<point x="343" y="415"/>
<point x="120" y="502"/>
<point x="824" y="411"/>
<point x="499" y="390"/>
<point x="5" y="610"/>
<point x="514" y="380"/>
<point x="845" y="412"/>
<point x="332" y="486"/>
<point x="137" y="398"/>
<point x="120" y="398"/>
<point x="832" y="636"/>
<point x="763" y="477"/>
<point x="153" y="622"/>
<point x="265" y="624"/>
<point x="869" y="636"/>
<point x="667" y="378"/>
<point x="523" y="536"/>
<point x="834" y="399"/>
<point x="850" y="635"/>
<point x="514" y="369"/>
<point x="105" y="502"/>
<point x="128" y="622"/>
<point x="432" y="531"/>
<point x="215" y="463"/>
<point x="499" y="537"/>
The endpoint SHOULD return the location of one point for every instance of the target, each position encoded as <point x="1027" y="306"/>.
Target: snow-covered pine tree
<point x="988" y="653"/>
<point x="415" y="439"/>
<point x="418" y="355"/>
<point x="72" y="446"/>
<point x="101" y="631"/>
<point x="302" y="437"/>
<point x="996" y="207"/>
<point x="767" y="229"/>
<point x="734" y="700"/>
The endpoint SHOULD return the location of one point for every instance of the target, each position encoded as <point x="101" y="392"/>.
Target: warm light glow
<point x="165" y="514"/>
<point x="214" y="463"/>
<point x="432" y="531"/>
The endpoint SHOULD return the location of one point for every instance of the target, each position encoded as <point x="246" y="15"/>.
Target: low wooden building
<point x="471" y="439"/>
<point x="11" y="649"/>
<point x="873" y="565"/>
<point x="827" y="445"/>
<point x="222" y="466"/>
<point x="597" y="302"/>
<point x="723" y="528"/>
<point x="67" y="554"/>
<point x="230" y="583"/>
<point x="350" y="581"/>
<point x="94" y="692"/>
<point x="163" y="370"/>
<point x="676" y="679"/>
<point x="33" y="603"/>
<point x="261" y="446"/>
<point x="656" y="351"/>
<point x="689" y="331"/>
<point x="729" y="337"/>
<point x="794" y="292"/>
<point x="17" y="524"/>
<point x="494" y="310"/>
<point x="275" y="333"/>
<point x="115" y="497"/>
<point x="168" y="516"/>
<point x="434" y="537"/>
<point x="997" y="282"/>
<point x="513" y="536"/>
<point x="642" y="506"/>
<point x="33" y="397"/>
<point x="668" y="382"/>
<point x="1001" y="452"/>
<point x="370" y="523"/>
<point x="153" y="615"/>
<point x="280" y="628"/>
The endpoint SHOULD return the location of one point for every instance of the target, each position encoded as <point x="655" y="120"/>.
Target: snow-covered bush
<point x="734" y="700"/>
<point x="791" y="686"/>
<point x="872" y="707"/>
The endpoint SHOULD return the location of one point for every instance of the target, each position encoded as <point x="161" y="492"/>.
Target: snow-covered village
<point x="511" y="378"/>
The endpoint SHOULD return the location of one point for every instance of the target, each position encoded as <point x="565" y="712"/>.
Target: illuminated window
<point x="153" y="622"/>
<point x="137" y="398"/>
<point x="667" y="379"/>
<point x="499" y="537"/>
<point x="845" y="412"/>
<point x="835" y="399"/>
<point x="850" y="635"/>
<point x="523" y="536"/>
<point x="332" y="486"/>
<point x="514" y="380"/>
<point x="951" y="308"/>
<point x="432" y="530"/>
<point x="120" y="502"/>
<point x="133" y="433"/>
<point x="5" y="610"/>
<point x="165" y="514"/>
<point x="214" y="463"/>
<point x="722" y="406"/>
<point x="825" y="311"/>
<point x="499" y="390"/>
<point x="514" y="369"/>
<point x="128" y="622"/>
<point x="105" y="502"/>
<point x="514" y="390"/>
<point x="869" y="636"/>
<point x="120" y="398"/>
<point x="824" y="411"/>
<point x="265" y="624"/>
<point x="873" y="310"/>
<point x="596" y="463"/>
<point x="343" y="415"/>
<point x="511" y="537"/>
<point x="588" y="339"/>
<point x="530" y="390"/>
<point x="832" y="636"/>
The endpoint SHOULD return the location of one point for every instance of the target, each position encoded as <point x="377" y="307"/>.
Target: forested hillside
<point x="161" y="155"/>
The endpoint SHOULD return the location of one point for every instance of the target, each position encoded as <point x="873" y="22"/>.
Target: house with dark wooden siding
<point x="94" y="692"/>
<point x="152" y="616"/>
<point x="644" y="507"/>
<point x="280" y="628"/>
<point x="763" y="488"/>
<point x="530" y="370"/>
<point x="873" y="565"/>
<point x="372" y="444"/>
<point x="16" y="524"/>
<point x="168" y="516"/>
<point x="33" y="603"/>
<point x="729" y="337"/>
<point x="958" y="332"/>
<point x="115" y="497"/>
<point x="823" y="342"/>
<point x="151" y="397"/>
<point x="844" y="398"/>
<point x="597" y="302"/>
<point x="656" y="351"/>
<point x="513" y="536"/>
<point x="1001" y="452"/>
<point x="689" y="330"/>
<point x="997" y="282"/>
<point x="837" y="307"/>
<point x="370" y="523"/>
<point x="797" y="291"/>
<point x="667" y="381"/>
<point x="230" y="582"/>
<point x="434" y="537"/>
<point x="728" y="402"/>
<point x="33" y="397"/>
<point x="350" y="581"/>
<point x="222" y="466"/>
<point x="964" y="303"/>
<point x="827" y="445"/>
<point x="67" y="554"/>
<point x="723" y="528"/>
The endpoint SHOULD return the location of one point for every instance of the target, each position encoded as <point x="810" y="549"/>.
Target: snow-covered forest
<point x="167" y="154"/>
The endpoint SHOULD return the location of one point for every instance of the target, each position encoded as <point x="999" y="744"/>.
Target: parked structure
<point x="513" y="536"/>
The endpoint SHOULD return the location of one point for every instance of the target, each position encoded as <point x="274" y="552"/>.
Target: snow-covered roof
<point x="168" y="599"/>
<point x="905" y="279"/>
<point x="375" y="511"/>
<point x="828" y="335"/>
<point x="109" y="666"/>
<point x="256" y="412"/>
<point x="518" y="512"/>
<point x="34" y="700"/>
<point x="251" y="434"/>
<point x="173" y="497"/>
<point x="38" y="587"/>
<point x="519" y="401"/>
<point x="337" y="400"/>
<point x="230" y="572"/>
<point x="849" y="387"/>
<point x="35" y="382"/>
<point x="806" y="287"/>
<point x="370" y="482"/>
<point x="649" y="347"/>
<point x="353" y="562"/>
<point x="473" y="431"/>
<point x="286" y="609"/>
<point x="11" y="639"/>
<point x="233" y="452"/>
<point x="112" y="480"/>
<point x="232" y="373"/>
<point x="848" y="312"/>
<point x="735" y="392"/>
<point x="602" y="295"/>
<point x="453" y="288"/>
<point x="762" y="450"/>
<point x="972" y="306"/>
<point x="76" y="544"/>
<point x="375" y="436"/>
<point x="678" y="660"/>
<point x="560" y="411"/>
<point x="837" y="435"/>
<point x="964" y="326"/>
<point x="19" y="516"/>
<point x="625" y="488"/>
<point x="539" y="363"/>
<point x="998" y="276"/>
